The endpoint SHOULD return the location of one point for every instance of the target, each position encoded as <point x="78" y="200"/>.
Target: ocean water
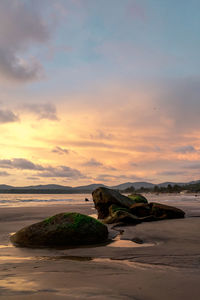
<point x="190" y="203"/>
<point x="24" y="200"/>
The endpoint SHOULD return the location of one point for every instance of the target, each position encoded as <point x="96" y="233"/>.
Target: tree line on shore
<point x="188" y="188"/>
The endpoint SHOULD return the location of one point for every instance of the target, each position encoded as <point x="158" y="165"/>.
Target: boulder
<point x="64" y="229"/>
<point x="113" y="207"/>
<point x="103" y="198"/>
<point x="120" y="215"/>
<point x="155" y="211"/>
<point x="140" y="209"/>
<point x="138" y="198"/>
<point x="162" y="211"/>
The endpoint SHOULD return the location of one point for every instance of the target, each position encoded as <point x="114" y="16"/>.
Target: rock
<point x="155" y="212"/>
<point x="65" y="229"/>
<point x="120" y="214"/>
<point x="162" y="211"/>
<point x="116" y="208"/>
<point x="138" y="198"/>
<point x="137" y="240"/>
<point x="140" y="209"/>
<point x="103" y="198"/>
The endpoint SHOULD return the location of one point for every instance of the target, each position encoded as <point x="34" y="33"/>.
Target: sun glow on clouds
<point x="118" y="99"/>
<point x="109" y="145"/>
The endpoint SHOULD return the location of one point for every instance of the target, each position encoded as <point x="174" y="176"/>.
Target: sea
<point x="25" y="200"/>
<point x="190" y="203"/>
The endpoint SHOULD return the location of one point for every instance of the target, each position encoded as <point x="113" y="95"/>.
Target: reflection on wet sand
<point x="128" y="244"/>
<point x="93" y="216"/>
<point x="18" y="284"/>
<point x="6" y="246"/>
<point x="66" y="257"/>
<point x="11" y="258"/>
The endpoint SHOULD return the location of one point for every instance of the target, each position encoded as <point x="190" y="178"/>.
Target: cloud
<point x="136" y="11"/>
<point x="22" y="26"/>
<point x="100" y="135"/>
<point x="132" y="164"/>
<point x="42" y="111"/>
<point x="19" y="163"/>
<point x="179" y="100"/>
<point x="111" y="178"/>
<point x="192" y="166"/>
<point x="185" y="149"/>
<point x="95" y="163"/>
<point x="13" y="67"/>
<point x="62" y="171"/>
<point x="91" y="144"/>
<point x="32" y="178"/>
<point x="4" y="174"/>
<point x="170" y="173"/>
<point x="92" y="163"/>
<point x="160" y="110"/>
<point x="44" y="171"/>
<point x="60" y="150"/>
<point x="146" y="148"/>
<point x="7" y="116"/>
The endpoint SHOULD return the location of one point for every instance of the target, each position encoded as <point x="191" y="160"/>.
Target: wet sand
<point x="163" y="263"/>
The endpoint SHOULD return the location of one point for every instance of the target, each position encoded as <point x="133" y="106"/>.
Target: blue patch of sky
<point x="170" y="34"/>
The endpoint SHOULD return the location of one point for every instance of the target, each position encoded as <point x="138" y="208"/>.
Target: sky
<point x="99" y="91"/>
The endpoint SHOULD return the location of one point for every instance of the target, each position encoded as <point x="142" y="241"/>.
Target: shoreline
<point x="169" y="264"/>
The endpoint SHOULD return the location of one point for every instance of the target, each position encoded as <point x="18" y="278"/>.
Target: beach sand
<point x="165" y="266"/>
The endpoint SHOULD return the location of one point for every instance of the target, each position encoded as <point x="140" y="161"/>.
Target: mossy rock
<point x="115" y="208"/>
<point x="162" y="211"/>
<point x="103" y="198"/>
<point x="119" y="214"/>
<point x="140" y="209"/>
<point x="64" y="229"/>
<point x="138" y="198"/>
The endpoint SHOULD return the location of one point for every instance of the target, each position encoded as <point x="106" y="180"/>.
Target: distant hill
<point x="165" y="184"/>
<point x="36" y="187"/>
<point x="194" y="182"/>
<point x="5" y="187"/>
<point x="89" y="187"/>
<point x="60" y="189"/>
<point x="47" y="186"/>
<point x="136" y="185"/>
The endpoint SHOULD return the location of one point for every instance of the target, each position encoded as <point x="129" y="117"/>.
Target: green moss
<point x="72" y="221"/>
<point x="49" y="220"/>
<point x="157" y="211"/>
<point x="68" y="214"/>
<point x="138" y="198"/>
<point x="64" y="229"/>
<point x="82" y="220"/>
<point x="116" y="208"/>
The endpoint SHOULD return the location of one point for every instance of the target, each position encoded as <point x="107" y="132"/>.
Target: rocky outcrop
<point x="137" y="198"/>
<point x="165" y="211"/>
<point x="140" y="209"/>
<point x="120" y="215"/>
<point x="65" y="229"/>
<point x="113" y="207"/>
<point x="103" y="198"/>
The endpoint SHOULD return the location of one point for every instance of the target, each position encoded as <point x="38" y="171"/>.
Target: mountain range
<point x="55" y="188"/>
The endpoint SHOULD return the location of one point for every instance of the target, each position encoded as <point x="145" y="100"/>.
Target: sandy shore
<point x="165" y="266"/>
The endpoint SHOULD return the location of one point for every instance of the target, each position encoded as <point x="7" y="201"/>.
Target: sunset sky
<point x="99" y="91"/>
